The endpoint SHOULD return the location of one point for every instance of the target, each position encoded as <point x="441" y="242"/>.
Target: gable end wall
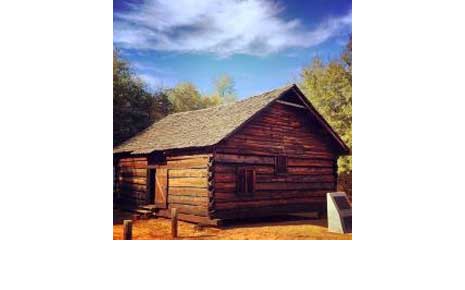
<point x="279" y="130"/>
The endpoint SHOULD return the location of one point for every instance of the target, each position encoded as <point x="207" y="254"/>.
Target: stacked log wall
<point x="132" y="180"/>
<point x="188" y="189"/>
<point x="281" y="130"/>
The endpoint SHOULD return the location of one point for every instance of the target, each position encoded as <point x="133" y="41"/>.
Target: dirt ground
<point x="277" y="228"/>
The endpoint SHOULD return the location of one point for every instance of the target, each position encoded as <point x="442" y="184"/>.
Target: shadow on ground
<point x="282" y="220"/>
<point x="119" y="216"/>
<point x="294" y="219"/>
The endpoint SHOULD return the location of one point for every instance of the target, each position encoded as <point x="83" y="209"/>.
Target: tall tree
<point x="225" y="89"/>
<point x="329" y="88"/>
<point x="134" y="108"/>
<point x="161" y="106"/>
<point x="132" y="103"/>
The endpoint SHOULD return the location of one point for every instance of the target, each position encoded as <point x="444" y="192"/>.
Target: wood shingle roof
<point x="200" y="128"/>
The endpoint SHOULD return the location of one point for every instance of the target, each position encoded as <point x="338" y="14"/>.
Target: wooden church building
<point x="265" y="155"/>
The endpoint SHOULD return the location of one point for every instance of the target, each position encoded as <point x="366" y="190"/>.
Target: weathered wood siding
<point x="280" y="130"/>
<point x="188" y="184"/>
<point x="132" y="180"/>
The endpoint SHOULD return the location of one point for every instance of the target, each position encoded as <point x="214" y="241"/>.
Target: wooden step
<point x="139" y="212"/>
<point x="142" y="211"/>
<point x="150" y="207"/>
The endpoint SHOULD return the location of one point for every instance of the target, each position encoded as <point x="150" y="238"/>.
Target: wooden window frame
<point x="246" y="181"/>
<point x="280" y="164"/>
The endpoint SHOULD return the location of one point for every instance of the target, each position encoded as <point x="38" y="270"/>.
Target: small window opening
<point x="245" y="181"/>
<point x="281" y="164"/>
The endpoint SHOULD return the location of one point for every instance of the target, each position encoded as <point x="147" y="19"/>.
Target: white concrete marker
<point x="339" y="213"/>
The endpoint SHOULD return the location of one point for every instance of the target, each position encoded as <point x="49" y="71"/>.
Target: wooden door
<point x="161" y="187"/>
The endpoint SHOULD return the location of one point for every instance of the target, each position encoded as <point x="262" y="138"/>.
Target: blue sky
<point x="262" y="44"/>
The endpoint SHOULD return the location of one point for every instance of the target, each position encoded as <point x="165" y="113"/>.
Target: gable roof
<point x="207" y="127"/>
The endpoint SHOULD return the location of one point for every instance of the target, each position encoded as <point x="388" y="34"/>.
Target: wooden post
<point x="174" y="223"/>
<point x="127" y="231"/>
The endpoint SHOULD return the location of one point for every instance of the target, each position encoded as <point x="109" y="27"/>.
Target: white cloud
<point x="151" y="81"/>
<point x="221" y="27"/>
<point x="147" y="67"/>
<point x="156" y="82"/>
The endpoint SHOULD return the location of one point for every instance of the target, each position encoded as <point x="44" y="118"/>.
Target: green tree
<point x="135" y="108"/>
<point x="161" y="106"/>
<point x="225" y="91"/>
<point x="329" y="88"/>
<point x="210" y="101"/>
<point x="185" y="97"/>
<point x="132" y="103"/>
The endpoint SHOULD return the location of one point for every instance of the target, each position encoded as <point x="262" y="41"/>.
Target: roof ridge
<point x="203" y="109"/>
<point x="233" y="103"/>
<point x="204" y="128"/>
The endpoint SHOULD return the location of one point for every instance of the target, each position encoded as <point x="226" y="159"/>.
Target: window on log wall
<point x="281" y="164"/>
<point x="245" y="181"/>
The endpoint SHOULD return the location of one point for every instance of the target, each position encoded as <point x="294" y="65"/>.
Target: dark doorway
<point x="151" y="185"/>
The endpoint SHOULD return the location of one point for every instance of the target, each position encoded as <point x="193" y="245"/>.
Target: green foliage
<point x="212" y="101"/>
<point x="329" y="88"/>
<point x="185" y="97"/>
<point x="224" y="89"/>
<point x="135" y="108"/>
<point x="132" y="103"/>
<point x="161" y="106"/>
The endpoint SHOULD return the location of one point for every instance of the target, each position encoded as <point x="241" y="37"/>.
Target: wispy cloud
<point x="155" y="82"/>
<point x="150" y="68"/>
<point x="227" y="27"/>
<point x="151" y="81"/>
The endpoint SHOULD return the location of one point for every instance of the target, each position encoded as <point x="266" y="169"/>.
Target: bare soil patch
<point x="276" y="228"/>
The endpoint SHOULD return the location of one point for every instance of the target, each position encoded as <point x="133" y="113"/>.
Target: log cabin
<point x="270" y="154"/>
